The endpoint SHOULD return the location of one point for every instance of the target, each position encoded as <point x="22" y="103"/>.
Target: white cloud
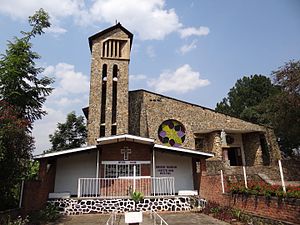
<point x="137" y="77"/>
<point x="189" y="31"/>
<point x="182" y="80"/>
<point x="42" y="128"/>
<point x="68" y="80"/>
<point x="70" y="93"/>
<point x="189" y="47"/>
<point x="65" y="101"/>
<point x="148" y="18"/>
<point x="57" y="9"/>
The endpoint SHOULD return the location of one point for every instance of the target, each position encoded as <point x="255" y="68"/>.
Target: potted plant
<point x="134" y="217"/>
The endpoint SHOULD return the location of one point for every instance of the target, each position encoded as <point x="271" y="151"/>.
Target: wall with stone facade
<point x="96" y="88"/>
<point x="35" y="193"/>
<point x="83" y="206"/>
<point x="150" y="111"/>
<point x="252" y="149"/>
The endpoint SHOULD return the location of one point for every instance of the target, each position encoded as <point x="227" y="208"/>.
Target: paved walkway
<point x="180" y="218"/>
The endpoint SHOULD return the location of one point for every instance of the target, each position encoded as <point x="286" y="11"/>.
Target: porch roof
<point x="124" y="137"/>
<point x="63" y="152"/>
<point x="183" y="150"/>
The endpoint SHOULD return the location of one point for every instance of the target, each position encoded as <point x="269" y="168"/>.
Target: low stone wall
<point x="71" y="206"/>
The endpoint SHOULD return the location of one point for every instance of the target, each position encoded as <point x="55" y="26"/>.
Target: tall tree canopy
<point x="257" y="99"/>
<point x="71" y="134"/>
<point x="245" y="96"/>
<point x="22" y="94"/>
<point x="285" y="107"/>
<point x="16" y="146"/>
<point x="19" y="75"/>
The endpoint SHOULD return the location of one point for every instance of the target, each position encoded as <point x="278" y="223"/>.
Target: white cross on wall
<point x="125" y="151"/>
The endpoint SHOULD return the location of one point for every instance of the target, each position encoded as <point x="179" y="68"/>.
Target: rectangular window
<point x="115" y="170"/>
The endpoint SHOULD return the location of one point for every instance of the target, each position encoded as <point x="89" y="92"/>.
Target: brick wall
<point x="35" y="193"/>
<point x="286" y="210"/>
<point x="139" y="152"/>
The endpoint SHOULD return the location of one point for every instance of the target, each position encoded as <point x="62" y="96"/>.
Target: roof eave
<point x="183" y="150"/>
<point x="99" y="34"/>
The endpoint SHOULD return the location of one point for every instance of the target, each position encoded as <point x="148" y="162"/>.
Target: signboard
<point x="125" y="162"/>
<point x="165" y="169"/>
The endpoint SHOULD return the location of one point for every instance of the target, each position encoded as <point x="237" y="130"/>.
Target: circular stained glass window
<point x="171" y="133"/>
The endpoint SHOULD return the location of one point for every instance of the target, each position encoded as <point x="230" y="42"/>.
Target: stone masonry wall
<point x="155" y="108"/>
<point x="96" y="89"/>
<point x="252" y="149"/>
<point x="82" y="206"/>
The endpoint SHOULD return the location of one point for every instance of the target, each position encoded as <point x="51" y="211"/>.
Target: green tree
<point x="285" y="107"/>
<point x="71" y="134"/>
<point x="245" y="96"/>
<point x="16" y="146"/>
<point x="22" y="94"/>
<point x="19" y="75"/>
<point x="257" y="99"/>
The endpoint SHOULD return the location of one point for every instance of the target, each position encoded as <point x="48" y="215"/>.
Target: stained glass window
<point x="171" y="133"/>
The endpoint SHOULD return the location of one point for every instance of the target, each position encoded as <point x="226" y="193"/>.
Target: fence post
<point x="281" y="176"/>
<point x="78" y="188"/>
<point x="134" y="171"/>
<point x="21" y="194"/>
<point x="245" y="176"/>
<point x="222" y="182"/>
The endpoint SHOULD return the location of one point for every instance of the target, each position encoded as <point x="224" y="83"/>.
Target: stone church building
<point x="149" y="136"/>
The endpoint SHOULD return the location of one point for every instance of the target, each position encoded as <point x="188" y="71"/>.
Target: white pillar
<point x="78" y="189"/>
<point x="222" y="182"/>
<point x="281" y="176"/>
<point x="134" y="171"/>
<point x="245" y="176"/>
<point x="97" y="165"/>
<point x="153" y="163"/>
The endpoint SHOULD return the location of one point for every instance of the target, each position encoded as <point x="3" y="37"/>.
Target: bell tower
<point x="108" y="102"/>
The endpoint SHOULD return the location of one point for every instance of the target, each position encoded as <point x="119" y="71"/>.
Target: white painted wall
<point x="72" y="167"/>
<point x="183" y="172"/>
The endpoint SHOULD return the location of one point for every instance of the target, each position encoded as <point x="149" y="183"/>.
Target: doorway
<point x="234" y="156"/>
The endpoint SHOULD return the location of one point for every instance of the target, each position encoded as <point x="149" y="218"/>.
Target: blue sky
<point x="191" y="50"/>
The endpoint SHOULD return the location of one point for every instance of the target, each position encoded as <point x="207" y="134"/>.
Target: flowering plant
<point x="263" y="189"/>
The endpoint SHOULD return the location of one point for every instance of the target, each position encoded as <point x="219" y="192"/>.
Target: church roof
<point x="99" y="34"/>
<point x="63" y="152"/>
<point x="124" y="137"/>
<point x="182" y="150"/>
<point x="130" y="138"/>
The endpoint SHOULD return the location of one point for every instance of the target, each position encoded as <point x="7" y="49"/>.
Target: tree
<point x="285" y="113"/>
<point x="71" y="134"/>
<point x="245" y="96"/>
<point x="20" y="84"/>
<point x="22" y="94"/>
<point x="16" y="146"/>
<point x="257" y="99"/>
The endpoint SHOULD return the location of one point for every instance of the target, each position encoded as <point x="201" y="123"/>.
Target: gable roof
<point x="99" y="34"/>
<point x="124" y="137"/>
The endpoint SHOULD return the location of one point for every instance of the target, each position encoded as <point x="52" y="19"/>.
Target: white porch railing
<point x="111" y="220"/>
<point x="157" y="218"/>
<point x="123" y="186"/>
